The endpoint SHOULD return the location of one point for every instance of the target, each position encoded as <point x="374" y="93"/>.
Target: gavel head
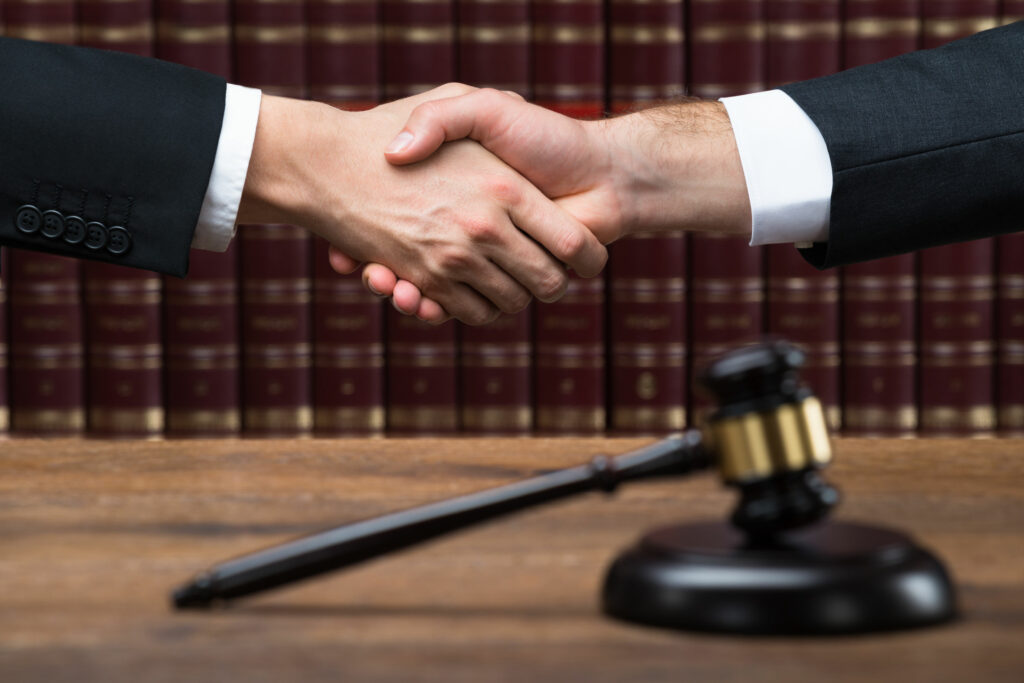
<point x="769" y="438"/>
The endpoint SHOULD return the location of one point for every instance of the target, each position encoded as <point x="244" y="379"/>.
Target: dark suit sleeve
<point x="113" y="152"/>
<point x="926" y="149"/>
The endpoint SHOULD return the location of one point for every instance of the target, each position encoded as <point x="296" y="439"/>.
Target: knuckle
<point x="552" y="286"/>
<point x="504" y="190"/>
<point x="571" y="245"/>
<point x="481" y="230"/>
<point x="454" y="89"/>
<point x="454" y="260"/>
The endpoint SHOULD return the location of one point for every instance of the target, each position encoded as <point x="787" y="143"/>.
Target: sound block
<point x="832" y="578"/>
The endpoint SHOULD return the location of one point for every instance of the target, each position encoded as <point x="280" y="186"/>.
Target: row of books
<point x="266" y="340"/>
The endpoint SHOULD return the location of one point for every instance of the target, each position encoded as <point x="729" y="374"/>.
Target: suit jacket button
<point x="53" y="224"/>
<point x="95" y="235"/>
<point x="74" y="230"/>
<point x="119" y="240"/>
<point x="28" y="219"/>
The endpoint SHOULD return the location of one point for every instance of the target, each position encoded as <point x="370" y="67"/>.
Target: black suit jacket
<point x="926" y="149"/>
<point x="104" y="155"/>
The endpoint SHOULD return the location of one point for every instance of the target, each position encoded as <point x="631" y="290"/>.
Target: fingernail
<point x="400" y="142"/>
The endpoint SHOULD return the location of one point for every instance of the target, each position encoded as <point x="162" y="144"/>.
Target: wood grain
<point x="94" y="535"/>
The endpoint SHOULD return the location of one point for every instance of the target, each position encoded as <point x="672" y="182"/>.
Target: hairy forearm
<point x="676" y="167"/>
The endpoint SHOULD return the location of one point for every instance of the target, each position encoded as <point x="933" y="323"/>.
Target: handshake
<point x="468" y="203"/>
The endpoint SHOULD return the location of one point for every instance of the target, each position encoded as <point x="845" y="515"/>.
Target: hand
<point x="667" y="168"/>
<point x="451" y="225"/>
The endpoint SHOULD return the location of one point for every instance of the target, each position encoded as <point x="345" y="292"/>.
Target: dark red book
<point x="124" y="336"/>
<point x="879" y="298"/>
<point x="1012" y="10"/>
<point x="348" y="346"/>
<point x="496" y="360"/>
<point x="419" y="45"/>
<point x="803" y="302"/>
<point x="874" y="30"/>
<point x="47" y="373"/>
<point x="957" y="285"/>
<point x="201" y="346"/>
<point x="343" y="52"/>
<point x="1010" y="334"/>
<point x="726" y="57"/>
<point x="647" y="273"/>
<point x="276" y="331"/>
<point x="422" y="376"/>
<point x="270" y="46"/>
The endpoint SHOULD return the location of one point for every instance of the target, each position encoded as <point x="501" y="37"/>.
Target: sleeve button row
<point x="54" y="225"/>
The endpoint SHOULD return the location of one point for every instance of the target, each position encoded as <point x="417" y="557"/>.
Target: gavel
<point x="767" y="438"/>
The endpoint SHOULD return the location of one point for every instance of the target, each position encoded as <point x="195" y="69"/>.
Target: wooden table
<point x="93" y="536"/>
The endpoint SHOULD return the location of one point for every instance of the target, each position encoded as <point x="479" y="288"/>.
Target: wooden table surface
<point x="94" y="535"/>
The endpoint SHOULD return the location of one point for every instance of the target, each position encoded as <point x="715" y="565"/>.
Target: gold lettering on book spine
<point x="133" y="420"/>
<point x="227" y="421"/>
<point x="296" y="419"/>
<point x="948" y="29"/>
<point x="941" y="419"/>
<point x="803" y="30"/>
<point x="349" y="419"/>
<point x="139" y="33"/>
<point x="48" y="420"/>
<point x="881" y="28"/>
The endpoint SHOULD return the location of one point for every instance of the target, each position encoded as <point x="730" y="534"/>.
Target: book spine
<point x="726" y="41"/>
<point x="494" y="44"/>
<point x="201" y="347"/>
<point x="947" y="20"/>
<point x="496" y="360"/>
<point x="344" y="52"/>
<point x="874" y="30"/>
<point x="419" y="45"/>
<point x="879" y="298"/>
<point x="276" y="331"/>
<point x="348" y="345"/>
<point x="348" y="353"/>
<point x="123" y="318"/>
<point x="569" y="348"/>
<point x="647" y="273"/>
<point x="270" y="46"/>
<point x="1010" y="334"/>
<point x="45" y="333"/>
<point x="1012" y="10"/>
<point x="803" y="303"/>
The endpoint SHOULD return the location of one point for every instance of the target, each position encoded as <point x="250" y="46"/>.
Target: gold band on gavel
<point x="757" y="445"/>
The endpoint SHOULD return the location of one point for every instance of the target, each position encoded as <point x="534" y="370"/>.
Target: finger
<point x="380" y="280"/>
<point x="406" y="297"/>
<point x="476" y="115"/>
<point x="513" y="93"/>
<point x="341" y="262"/>
<point x="431" y="312"/>
<point x="468" y="306"/>
<point x="504" y="291"/>
<point x="565" y="238"/>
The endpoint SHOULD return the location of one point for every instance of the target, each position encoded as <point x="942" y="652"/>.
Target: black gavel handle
<point x="360" y="541"/>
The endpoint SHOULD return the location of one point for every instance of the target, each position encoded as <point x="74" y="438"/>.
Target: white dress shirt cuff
<point x="219" y="212"/>
<point x="786" y="166"/>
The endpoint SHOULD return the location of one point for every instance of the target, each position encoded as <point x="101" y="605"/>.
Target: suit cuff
<point x="786" y="166"/>
<point x="219" y="211"/>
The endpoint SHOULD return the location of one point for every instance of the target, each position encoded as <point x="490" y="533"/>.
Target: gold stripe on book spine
<point x="125" y="363"/>
<point x="647" y="35"/>
<point x="881" y="28"/>
<point x="1011" y="416"/>
<point x="116" y="34"/>
<point x="628" y="95"/>
<point x="348" y="34"/>
<point x="939" y="418"/>
<point x="270" y="34"/>
<point x="854" y="360"/>
<point x="495" y="418"/>
<point x="803" y="30"/>
<point x="582" y="94"/>
<point x="148" y="420"/>
<point x="5" y="413"/>
<point x="568" y="419"/>
<point x="291" y="419"/>
<point x="666" y="418"/>
<point x="32" y="362"/>
<point x="422" y="418"/>
<point x="572" y="33"/>
<point x="495" y="34"/>
<point x="902" y="418"/>
<point x="44" y="420"/>
<point x="63" y="33"/>
<point x="193" y="35"/>
<point x="361" y="360"/>
<point x="489" y="361"/>
<point x="349" y="419"/>
<point x="418" y="34"/>
<point x="347" y="92"/>
<point x="208" y="421"/>
<point x="715" y="33"/>
<point x="954" y="28"/>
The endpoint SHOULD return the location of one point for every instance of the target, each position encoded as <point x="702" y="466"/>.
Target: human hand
<point x="449" y="225"/>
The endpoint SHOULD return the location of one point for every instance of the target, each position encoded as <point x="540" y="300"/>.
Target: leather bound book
<point x="647" y="331"/>
<point x="874" y="30"/>
<point x="647" y="273"/>
<point x="946" y="20"/>
<point x="1010" y="334"/>
<point x="344" y="52"/>
<point x="419" y="45"/>
<point x="879" y="298"/>
<point x="201" y="347"/>
<point x="276" y="331"/>
<point x="1013" y="10"/>
<point x="270" y="46"/>
<point x="422" y="376"/>
<point x="957" y="346"/>
<point x="122" y="25"/>
<point x="569" y="336"/>
<point x="348" y="353"/>
<point x="496" y="360"/>
<point x="45" y="334"/>
<point x="803" y="302"/>
<point x="726" y="45"/>
<point x="494" y="44"/>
